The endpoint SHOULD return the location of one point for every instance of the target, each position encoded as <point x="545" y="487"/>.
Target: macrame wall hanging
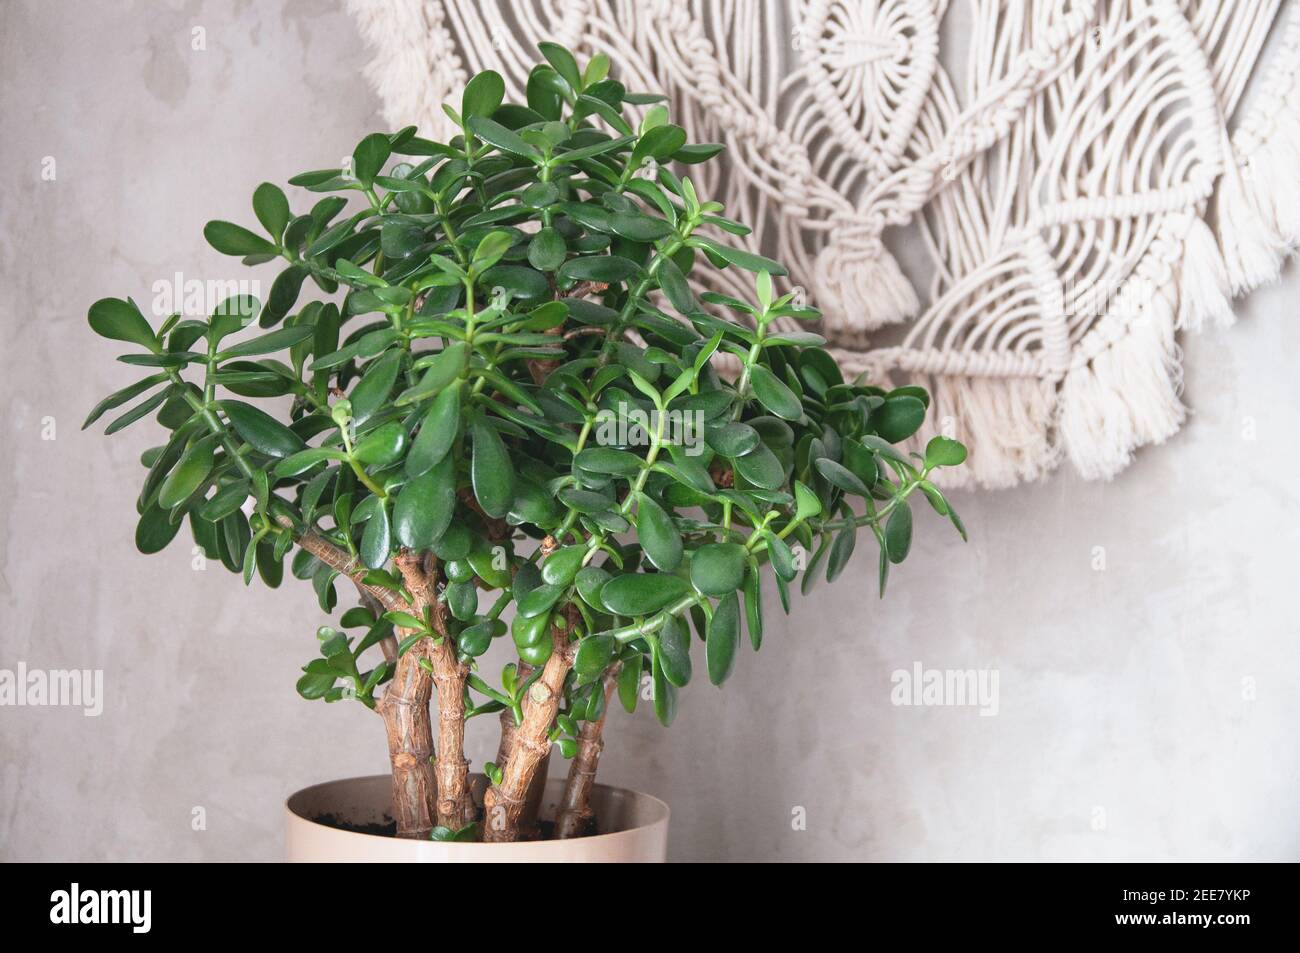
<point x="1080" y="190"/>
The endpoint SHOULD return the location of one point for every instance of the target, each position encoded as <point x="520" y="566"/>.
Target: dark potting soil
<point x="385" y="828"/>
<point x="388" y="827"/>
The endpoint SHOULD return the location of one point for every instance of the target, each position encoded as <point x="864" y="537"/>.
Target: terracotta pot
<point x="633" y="828"/>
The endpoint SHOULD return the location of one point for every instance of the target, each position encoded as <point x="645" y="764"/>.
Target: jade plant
<point x="508" y="415"/>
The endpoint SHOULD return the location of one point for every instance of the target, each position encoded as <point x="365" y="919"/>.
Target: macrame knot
<point x="859" y="284"/>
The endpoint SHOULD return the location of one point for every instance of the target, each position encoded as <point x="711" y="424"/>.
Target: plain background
<point x="1144" y="631"/>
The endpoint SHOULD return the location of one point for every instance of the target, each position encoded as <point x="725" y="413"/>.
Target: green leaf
<point x="608" y="460"/>
<point x="268" y="343"/>
<point x="956" y="521"/>
<point x="188" y="474"/>
<point x="491" y="472"/>
<point x="437" y="433"/>
<point x="641" y="593"/>
<point x="476" y="639"/>
<point x="490" y="250"/>
<point x="641" y="228"/>
<point x="676" y="288"/>
<point x="718" y="568"/>
<point x="371" y="392"/>
<point x="121" y="321"/>
<point x="541" y="599"/>
<point x="754" y="606"/>
<point x="774" y="395"/>
<point x="732" y="439"/>
<point x="841" y="476"/>
<point x="118" y="398"/>
<point x="231" y="239"/>
<point x="936" y="498"/>
<point x="607" y="269"/>
<point x="155" y="530"/>
<point x="898" y="532"/>
<point x="316" y="685"/>
<point x="899" y="418"/>
<point x="593" y="656"/>
<point x="462" y="600"/>
<point x="743" y="259"/>
<point x="501" y="137"/>
<point x="761" y="467"/>
<point x="444" y="368"/>
<point x="529" y="632"/>
<point x="369" y="157"/>
<point x="562" y="62"/>
<point x="404" y="620"/>
<point x="261" y="431"/>
<point x="377" y="540"/>
<point x="589" y="581"/>
<point x="547" y="250"/>
<point x="381" y="446"/>
<point x="658" y="534"/>
<point x="271" y="208"/>
<point x="884" y="567"/>
<point x="807" y="503"/>
<point x="944" y="452"/>
<point x="138" y="411"/>
<point x="763" y="290"/>
<point x="304" y="460"/>
<point x="629" y="683"/>
<point x="675" y="651"/>
<point x="841" y="552"/>
<point x="782" y="557"/>
<point x="483" y="95"/>
<point x="562" y="565"/>
<point x="665" y="693"/>
<point x="425" y="506"/>
<point x="467" y="834"/>
<point x="659" y="143"/>
<point x="722" y="639"/>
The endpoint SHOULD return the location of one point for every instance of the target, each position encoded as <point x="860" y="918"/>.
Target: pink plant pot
<point x="632" y="828"/>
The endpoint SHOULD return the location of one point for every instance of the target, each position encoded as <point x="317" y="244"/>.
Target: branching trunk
<point x="454" y="805"/>
<point x="405" y="710"/>
<point x="575" y="807"/>
<point x="528" y="826"/>
<point x="504" y="803"/>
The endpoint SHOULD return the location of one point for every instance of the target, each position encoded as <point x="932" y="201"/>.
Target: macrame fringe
<point x="1252" y="250"/>
<point x="1204" y="291"/>
<point x="1127" y="395"/>
<point x="860" y="289"/>
<point x="1004" y="423"/>
<point x="1274" y="170"/>
<point x="1259" y="193"/>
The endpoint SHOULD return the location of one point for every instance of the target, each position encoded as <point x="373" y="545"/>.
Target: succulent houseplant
<point x="511" y="417"/>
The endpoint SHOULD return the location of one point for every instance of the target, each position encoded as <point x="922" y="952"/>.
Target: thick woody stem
<point x="504" y="803"/>
<point x="345" y="565"/>
<point x="575" y="806"/>
<point x="528" y="828"/>
<point x="455" y="807"/>
<point x="405" y="710"/>
<point x="405" y="703"/>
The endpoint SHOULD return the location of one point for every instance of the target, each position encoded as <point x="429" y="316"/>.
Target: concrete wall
<point x="1143" y="631"/>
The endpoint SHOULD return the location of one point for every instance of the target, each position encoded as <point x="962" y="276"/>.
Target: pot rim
<point x="660" y="807"/>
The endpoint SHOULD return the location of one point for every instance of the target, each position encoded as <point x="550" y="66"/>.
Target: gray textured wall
<point x="1128" y="727"/>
